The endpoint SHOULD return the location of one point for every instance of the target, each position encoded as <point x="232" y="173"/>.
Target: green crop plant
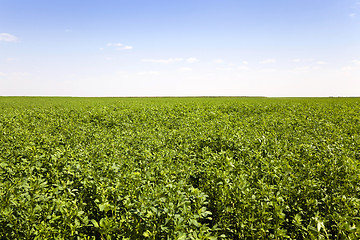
<point x="179" y="168"/>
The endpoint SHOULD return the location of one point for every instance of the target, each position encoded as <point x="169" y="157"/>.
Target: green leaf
<point x="95" y="224"/>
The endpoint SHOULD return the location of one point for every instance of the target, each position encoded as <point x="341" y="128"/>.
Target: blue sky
<point x="180" y="48"/>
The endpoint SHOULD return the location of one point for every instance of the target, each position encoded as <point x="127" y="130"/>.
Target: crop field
<point x="179" y="168"/>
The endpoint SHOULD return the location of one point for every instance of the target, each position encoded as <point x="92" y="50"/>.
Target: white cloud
<point x="7" y="37"/>
<point x="114" y="44"/>
<point x="267" y="61"/>
<point x="296" y="60"/>
<point x="124" y="48"/>
<point x="218" y="60"/>
<point x="302" y="69"/>
<point x="321" y="63"/>
<point x="185" y="69"/>
<point x="347" y="68"/>
<point x="352" y="15"/>
<point x="192" y="60"/>
<point x="119" y="46"/>
<point x="245" y="62"/>
<point x="15" y="74"/>
<point x="148" y="73"/>
<point x="20" y="74"/>
<point x="224" y="69"/>
<point x="268" y="70"/>
<point x="169" y="60"/>
<point x="127" y="47"/>
<point x="243" y="68"/>
<point x="355" y="65"/>
<point x="122" y="74"/>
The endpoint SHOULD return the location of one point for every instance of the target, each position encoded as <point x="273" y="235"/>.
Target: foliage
<point x="179" y="168"/>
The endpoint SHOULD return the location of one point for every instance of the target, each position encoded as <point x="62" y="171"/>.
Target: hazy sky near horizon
<point x="180" y="48"/>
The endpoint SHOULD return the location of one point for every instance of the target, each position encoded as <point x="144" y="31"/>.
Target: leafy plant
<point x="179" y="168"/>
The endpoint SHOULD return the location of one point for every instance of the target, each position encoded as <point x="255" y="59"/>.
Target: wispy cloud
<point x="296" y="60"/>
<point x="114" y="44"/>
<point x="355" y="64"/>
<point x="169" y="60"/>
<point x="15" y="74"/>
<point x="268" y="61"/>
<point x="148" y="73"/>
<point x="347" y="68"/>
<point x="245" y="62"/>
<point x="192" y="60"/>
<point x="185" y="69"/>
<point x="302" y="69"/>
<point x="321" y="63"/>
<point x="224" y="68"/>
<point x="218" y="60"/>
<point x="7" y="37"/>
<point x="126" y="48"/>
<point x="243" y="68"/>
<point x="352" y="15"/>
<point x="119" y="46"/>
<point x="268" y="70"/>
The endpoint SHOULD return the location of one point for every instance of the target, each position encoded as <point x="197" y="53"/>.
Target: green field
<point x="179" y="168"/>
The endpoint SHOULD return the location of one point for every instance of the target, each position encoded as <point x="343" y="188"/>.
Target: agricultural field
<point x="179" y="168"/>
